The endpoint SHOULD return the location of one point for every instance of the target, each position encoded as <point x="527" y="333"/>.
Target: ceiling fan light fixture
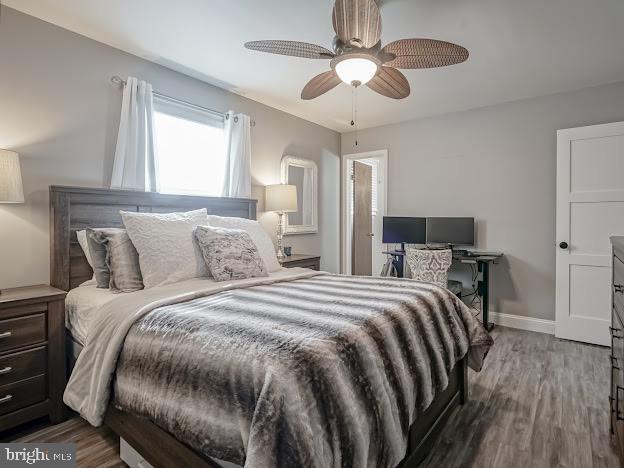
<point x="356" y="70"/>
<point x="358" y="57"/>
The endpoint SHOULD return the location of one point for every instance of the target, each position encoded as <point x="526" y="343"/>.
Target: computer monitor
<point x="453" y="231"/>
<point x="404" y="230"/>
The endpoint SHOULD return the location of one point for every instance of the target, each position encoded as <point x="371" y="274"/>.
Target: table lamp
<point x="281" y="198"/>
<point x="11" y="190"/>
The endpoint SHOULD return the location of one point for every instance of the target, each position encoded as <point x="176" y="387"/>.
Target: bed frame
<point x="75" y="208"/>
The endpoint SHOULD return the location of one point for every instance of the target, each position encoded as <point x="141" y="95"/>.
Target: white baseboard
<point x="523" y="323"/>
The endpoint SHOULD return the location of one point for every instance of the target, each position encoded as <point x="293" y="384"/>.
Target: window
<point x="190" y="148"/>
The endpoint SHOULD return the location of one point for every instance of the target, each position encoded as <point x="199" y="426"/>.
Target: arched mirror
<point x="303" y="173"/>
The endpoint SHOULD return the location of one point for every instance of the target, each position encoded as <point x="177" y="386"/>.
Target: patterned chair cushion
<point x="430" y="266"/>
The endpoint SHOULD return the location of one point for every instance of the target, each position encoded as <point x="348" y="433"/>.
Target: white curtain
<point x="135" y="162"/>
<point x="238" y="156"/>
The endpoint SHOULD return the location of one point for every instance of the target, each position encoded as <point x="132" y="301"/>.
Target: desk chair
<point x="431" y="266"/>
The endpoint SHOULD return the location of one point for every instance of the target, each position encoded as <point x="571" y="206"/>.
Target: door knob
<point x="563" y="245"/>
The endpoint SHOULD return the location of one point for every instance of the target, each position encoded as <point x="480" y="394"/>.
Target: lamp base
<point x="280" y="250"/>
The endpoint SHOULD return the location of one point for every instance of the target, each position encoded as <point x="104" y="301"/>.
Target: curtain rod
<point x="116" y="79"/>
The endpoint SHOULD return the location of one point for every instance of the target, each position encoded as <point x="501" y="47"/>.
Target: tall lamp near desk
<point x="442" y="233"/>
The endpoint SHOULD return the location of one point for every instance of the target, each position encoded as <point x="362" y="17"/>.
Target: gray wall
<point x="497" y="164"/>
<point x="59" y="110"/>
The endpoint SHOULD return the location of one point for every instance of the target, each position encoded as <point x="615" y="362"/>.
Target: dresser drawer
<point x="616" y="356"/>
<point x="618" y="275"/>
<point x="22" y="365"/>
<point x="22" y="331"/>
<point x="23" y="393"/>
<point x="618" y="306"/>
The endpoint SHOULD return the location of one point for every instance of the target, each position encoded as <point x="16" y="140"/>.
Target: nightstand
<point x="32" y="355"/>
<point x="304" y="261"/>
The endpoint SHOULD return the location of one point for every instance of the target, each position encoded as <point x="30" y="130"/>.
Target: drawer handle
<point x="614" y="361"/>
<point x="618" y="288"/>
<point x="9" y="369"/>
<point x="6" y="399"/>
<point x="6" y="334"/>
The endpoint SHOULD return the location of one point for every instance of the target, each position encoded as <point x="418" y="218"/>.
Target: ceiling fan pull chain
<point x="355" y="115"/>
<point x="352" y="107"/>
<point x="353" y="110"/>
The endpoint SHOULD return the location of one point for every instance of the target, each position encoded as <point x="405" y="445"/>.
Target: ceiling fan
<point x="358" y="58"/>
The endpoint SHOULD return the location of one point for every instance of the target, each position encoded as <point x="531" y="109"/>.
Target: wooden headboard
<point x="76" y="208"/>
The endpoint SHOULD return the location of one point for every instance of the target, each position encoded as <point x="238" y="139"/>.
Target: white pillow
<point x="82" y="240"/>
<point x="258" y="235"/>
<point x="165" y="244"/>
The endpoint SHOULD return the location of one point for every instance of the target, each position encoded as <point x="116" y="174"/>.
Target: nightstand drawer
<point x="22" y="365"/>
<point x="302" y="261"/>
<point x="23" y="393"/>
<point x="313" y="265"/>
<point x="22" y="331"/>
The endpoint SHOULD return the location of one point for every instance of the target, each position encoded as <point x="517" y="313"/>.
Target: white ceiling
<point x="518" y="48"/>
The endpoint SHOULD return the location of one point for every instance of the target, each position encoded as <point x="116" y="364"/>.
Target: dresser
<point x="304" y="261"/>
<point x="32" y="355"/>
<point x="616" y="398"/>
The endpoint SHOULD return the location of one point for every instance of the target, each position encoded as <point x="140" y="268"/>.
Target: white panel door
<point x="590" y="209"/>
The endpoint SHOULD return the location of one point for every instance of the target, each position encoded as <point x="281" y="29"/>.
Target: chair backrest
<point x="430" y="266"/>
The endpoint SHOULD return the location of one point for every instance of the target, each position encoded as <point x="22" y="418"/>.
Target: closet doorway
<point x="364" y="205"/>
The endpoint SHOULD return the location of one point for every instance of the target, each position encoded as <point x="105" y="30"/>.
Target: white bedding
<point x="80" y="307"/>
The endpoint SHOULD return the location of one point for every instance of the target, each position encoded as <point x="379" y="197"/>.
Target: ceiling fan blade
<point x="320" y="84"/>
<point x="390" y="82"/>
<point x="292" y="48"/>
<point x="423" y="53"/>
<point x="357" y="22"/>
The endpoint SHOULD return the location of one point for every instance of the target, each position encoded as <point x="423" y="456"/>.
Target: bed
<point x="156" y="439"/>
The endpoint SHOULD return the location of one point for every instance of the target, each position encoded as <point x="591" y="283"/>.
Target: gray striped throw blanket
<point x="314" y="371"/>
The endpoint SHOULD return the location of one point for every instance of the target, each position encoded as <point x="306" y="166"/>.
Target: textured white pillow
<point x="82" y="240"/>
<point x="84" y="244"/>
<point x="258" y="235"/>
<point x="167" y="250"/>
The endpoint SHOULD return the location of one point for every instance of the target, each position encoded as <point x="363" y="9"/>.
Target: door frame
<point x="562" y="228"/>
<point x="382" y="155"/>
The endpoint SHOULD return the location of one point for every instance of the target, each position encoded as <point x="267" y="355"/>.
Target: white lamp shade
<point x="281" y="198"/>
<point x="11" y="189"/>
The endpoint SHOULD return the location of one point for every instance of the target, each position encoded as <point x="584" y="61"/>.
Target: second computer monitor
<point x="453" y="231"/>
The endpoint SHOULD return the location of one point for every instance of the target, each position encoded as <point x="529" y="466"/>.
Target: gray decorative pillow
<point x="229" y="253"/>
<point x="121" y="260"/>
<point x="99" y="261"/>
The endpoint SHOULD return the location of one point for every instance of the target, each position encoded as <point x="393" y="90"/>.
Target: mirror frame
<point x="288" y="161"/>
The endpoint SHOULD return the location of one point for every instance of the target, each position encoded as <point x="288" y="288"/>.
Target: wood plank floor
<point x="95" y="447"/>
<point x="538" y="402"/>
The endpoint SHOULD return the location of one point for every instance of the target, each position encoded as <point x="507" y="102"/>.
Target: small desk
<point x="483" y="260"/>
